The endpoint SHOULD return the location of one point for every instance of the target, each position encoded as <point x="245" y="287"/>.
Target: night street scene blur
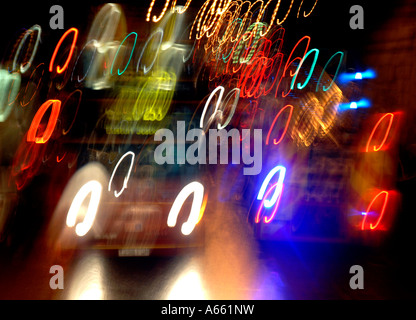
<point x="207" y="150"/>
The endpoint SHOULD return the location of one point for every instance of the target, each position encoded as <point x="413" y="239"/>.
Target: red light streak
<point x="74" y="40"/>
<point x="24" y="104"/>
<point x="60" y="159"/>
<point x="367" y="149"/>
<point x="286" y="126"/>
<point x="289" y="62"/>
<point x="276" y="205"/>
<point x="31" y="134"/>
<point x="386" y="196"/>
<point x="12" y="90"/>
<point x="26" y="162"/>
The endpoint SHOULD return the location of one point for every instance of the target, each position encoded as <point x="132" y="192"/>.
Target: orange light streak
<point x="367" y="149"/>
<point x="286" y="126"/>
<point x="31" y="134"/>
<point x="386" y="196"/>
<point x="74" y="40"/>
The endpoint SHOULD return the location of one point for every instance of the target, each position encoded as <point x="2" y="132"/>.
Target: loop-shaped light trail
<point x="219" y="88"/>
<point x="126" y="178"/>
<point x="159" y="33"/>
<point x="95" y="45"/>
<point x="22" y="102"/>
<point x="383" y="209"/>
<point x="64" y="132"/>
<point x="71" y="51"/>
<point x="53" y="118"/>
<point x="276" y="205"/>
<point x="282" y="172"/>
<point x="195" y="215"/>
<point x="94" y="188"/>
<point x="131" y="54"/>
<point x="391" y="115"/>
<point x="299" y="85"/>
<point x="26" y="66"/>
<point x="286" y="126"/>
<point x="233" y="107"/>
<point x="336" y="72"/>
<point x="304" y="12"/>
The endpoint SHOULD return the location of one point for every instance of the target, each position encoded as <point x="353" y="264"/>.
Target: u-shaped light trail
<point x="195" y="215"/>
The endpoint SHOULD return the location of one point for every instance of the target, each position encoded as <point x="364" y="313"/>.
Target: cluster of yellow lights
<point x="316" y="116"/>
<point x="165" y="8"/>
<point x="213" y="14"/>
<point x="150" y="102"/>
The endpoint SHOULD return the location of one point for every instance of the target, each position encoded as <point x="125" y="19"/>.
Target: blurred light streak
<point x="74" y="40"/>
<point x="9" y="88"/>
<point x="87" y="279"/>
<point x="286" y="126"/>
<point x="362" y="103"/>
<point x="198" y="190"/>
<point x="219" y="88"/>
<point x="22" y="102"/>
<point x="149" y="11"/>
<point x="374" y="148"/>
<point x="233" y="107"/>
<point x="315" y="58"/>
<point x="172" y="25"/>
<point x="149" y="101"/>
<point x="156" y="96"/>
<point x="131" y="54"/>
<point x="290" y="62"/>
<point x="347" y="77"/>
<point x="60" y="159"/>
<point x="307" y="121"/>
<point x="126" y="179"/>
<point x="94" y="189"/>
<point x="203" y="206"/>
<point x="330" y="101"/>
<point x="215" y="12"/>
<point x="304" y="12"/>
<point x="64" y="132"/>
<point x="93" y="42"/>
<point x="24" y="67"/>
<point x="53" y="118"/>
<point x="106" y="32"/>
<point x="279" y="187"/>
<point x="211" y="17"/>
<point x="386" y="197"/>
<point x="26" y="162"/>
<point x="150" y="40"/>
<point x="276" y="204"/>
<point x="188" y="285"/>
<point x="105" y="25"/>
<point x="336" y="72"/>
<point x="275" y="12"/>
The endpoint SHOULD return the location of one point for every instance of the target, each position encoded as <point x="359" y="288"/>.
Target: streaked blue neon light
<point x="282" y="172"/>
<point x="346" y="77"/>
